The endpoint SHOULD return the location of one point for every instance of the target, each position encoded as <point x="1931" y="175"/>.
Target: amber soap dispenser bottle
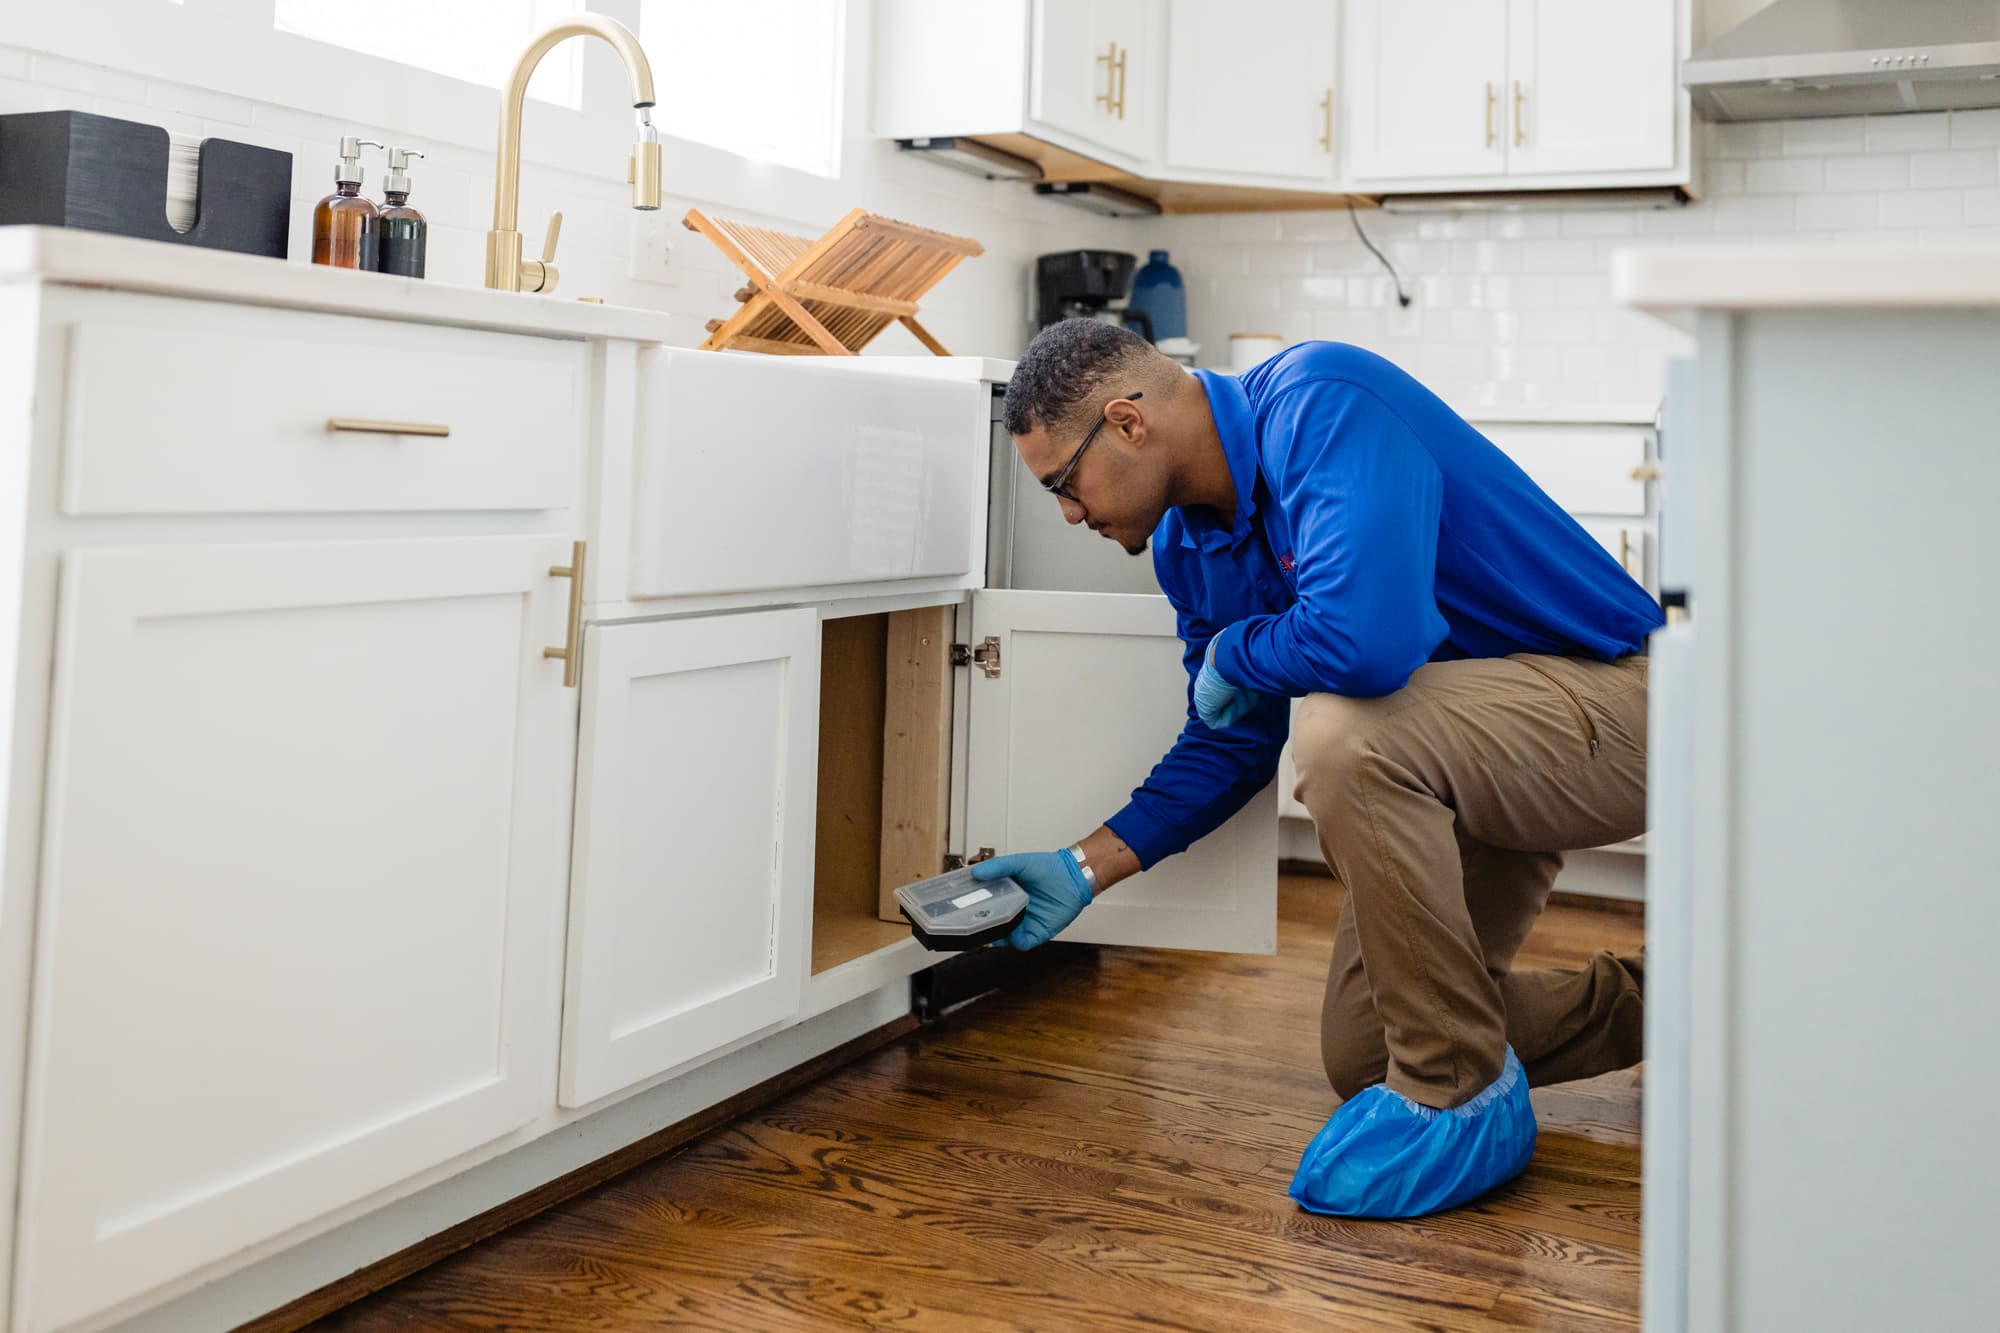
<point x="344" y="222"/>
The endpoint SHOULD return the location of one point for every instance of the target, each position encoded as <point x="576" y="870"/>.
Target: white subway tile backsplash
<point x="1606" y="223"/>
<point x="13" y="63"/>
<point x="1279" y="261"/>
<point x="1567" y="256"/>
<point x="1749" y="139"/>
<point x="1331" y="225"/>
<point x="1836" y="211"/>
<point x="1842" y="134"/>
<point x="1923" y="208"/>
<point x="1257" y="294"/>
<point x="1877" y="171"/>
<point x="1526" y="226"/>
<point x="94" y="80"/>
<point x="201" y="102"/>
<point x="1976" y="129"/>
<point x="1725" y="177"/>
<point x="1982" y="207"/>
<point x="1909" y="132"/>
<point x="1249" y="228"/>
<point x="172" y="122"/>
<point x="1582" y="290"/>
<point x="1753" y="214"/>
<point x="1960" y="167"/>
<point x="1785" y="175"/>
<point x="1487" y="256"/>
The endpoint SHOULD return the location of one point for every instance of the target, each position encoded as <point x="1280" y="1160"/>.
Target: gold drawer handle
<point x="361" y="426"/>
<point x="567" y="654"/>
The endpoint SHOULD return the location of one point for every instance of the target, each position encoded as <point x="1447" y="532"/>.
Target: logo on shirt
<point x="1287" y="564"/>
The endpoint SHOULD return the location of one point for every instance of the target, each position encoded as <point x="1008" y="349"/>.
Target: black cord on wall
<point x="1402" y="297"/>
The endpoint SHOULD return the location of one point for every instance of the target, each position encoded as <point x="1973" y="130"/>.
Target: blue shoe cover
<point x="1383" y="1155"/>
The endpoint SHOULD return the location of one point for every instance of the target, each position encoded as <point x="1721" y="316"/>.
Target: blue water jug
<point x="1158" y="291"/>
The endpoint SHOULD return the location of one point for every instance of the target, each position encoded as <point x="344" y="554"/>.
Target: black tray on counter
<point x="99" y="173"/>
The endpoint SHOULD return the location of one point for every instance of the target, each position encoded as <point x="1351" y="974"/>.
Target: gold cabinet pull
<point x="1122" y="53"/>
<point x="1646" y="472"/>
<point x="359" y="426"/>
<point x="1109" y="97"/>
<point x="1326" y="114"/>
<point x="1489" y="113"/>
<point x="567" y="654"/>
<point x="1520" y="131"/>
<point x="1625" y="550"/>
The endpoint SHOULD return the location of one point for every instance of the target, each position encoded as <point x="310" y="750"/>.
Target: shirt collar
<point x="1236" y="425"/>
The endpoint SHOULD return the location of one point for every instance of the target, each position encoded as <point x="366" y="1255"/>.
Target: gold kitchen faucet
<point x="505" y="269"/>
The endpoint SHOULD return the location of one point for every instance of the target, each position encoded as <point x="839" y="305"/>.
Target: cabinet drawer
<point x="1585" y="469"/>
<point x="193" y="407"/>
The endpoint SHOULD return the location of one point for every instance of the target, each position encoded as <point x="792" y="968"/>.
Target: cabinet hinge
<point x="986" y="656"/>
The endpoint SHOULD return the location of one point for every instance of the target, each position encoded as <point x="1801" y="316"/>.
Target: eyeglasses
<point x="1059" y="485"/>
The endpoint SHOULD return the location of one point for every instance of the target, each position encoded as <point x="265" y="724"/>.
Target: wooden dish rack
<point x="830" y="296"/>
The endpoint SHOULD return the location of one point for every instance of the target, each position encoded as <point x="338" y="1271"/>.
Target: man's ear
<point x="1130" y="421"/>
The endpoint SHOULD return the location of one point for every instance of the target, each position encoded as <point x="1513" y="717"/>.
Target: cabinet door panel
<point x="1078" y="83"/>
<point x="302" y="869"/>
<point x="1091" y="693"/>
<point x="1249" y="87"/>
<point x="1425" y="88"/>
<point x="689" y="902"/>
<point x="1591" y="86"/>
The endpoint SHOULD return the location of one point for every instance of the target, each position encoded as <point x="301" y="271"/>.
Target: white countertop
<point x="1672" y="279"/>
<point x="88" y="258"/>
<point x="984" y="369"/>
<point x="1559" y="414"/>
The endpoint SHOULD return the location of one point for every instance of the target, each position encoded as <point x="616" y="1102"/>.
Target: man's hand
<point x="1056" y="891"/>
<point x="1218" y="703"/>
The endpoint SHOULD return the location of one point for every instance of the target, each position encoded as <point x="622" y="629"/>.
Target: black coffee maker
<point x="1087" y="284"/>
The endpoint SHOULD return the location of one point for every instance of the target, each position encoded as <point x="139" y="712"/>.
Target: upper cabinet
<point x="1197" y="104"/>
<point x="1471" y="94"/>
<point x="1251" y="88"/>
<point x="1096" y="72"/>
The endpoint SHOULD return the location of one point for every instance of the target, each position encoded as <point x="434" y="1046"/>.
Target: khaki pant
<point x="1445" y="809"/>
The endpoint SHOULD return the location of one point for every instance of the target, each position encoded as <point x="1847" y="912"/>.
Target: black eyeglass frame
<point x="1058" y="486"/>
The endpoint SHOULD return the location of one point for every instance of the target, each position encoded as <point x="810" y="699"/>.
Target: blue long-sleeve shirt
<point x="1375" y="530"/>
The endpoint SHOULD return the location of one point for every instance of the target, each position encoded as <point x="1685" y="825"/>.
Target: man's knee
<point x="1331" y="740"/>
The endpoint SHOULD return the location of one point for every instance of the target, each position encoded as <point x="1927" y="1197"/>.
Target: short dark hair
<point x="1060" y="377"/>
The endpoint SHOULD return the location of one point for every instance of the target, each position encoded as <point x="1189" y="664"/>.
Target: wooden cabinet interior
<point x="884" y="774"/>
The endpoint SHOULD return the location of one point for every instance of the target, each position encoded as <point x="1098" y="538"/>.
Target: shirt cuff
<point x="1225" y="655"/>
<point x="1150" y="840"/>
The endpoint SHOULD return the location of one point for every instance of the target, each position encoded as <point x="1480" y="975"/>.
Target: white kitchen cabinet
<point x="1591" y="86"/>
<point x="1250" y="88"/>
<point x="306" y="816"/>
<point x="1097" y="72"/>
<point x="1515" y="94"/>
<point x="693" y="863"/>
<point x="1423" y="84"/>
<point x="1089" y="693"/>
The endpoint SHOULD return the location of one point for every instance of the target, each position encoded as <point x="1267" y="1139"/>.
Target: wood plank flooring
<point x="1109" y="1150"/>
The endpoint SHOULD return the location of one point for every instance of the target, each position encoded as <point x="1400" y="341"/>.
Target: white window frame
<point x="233" y="47"/>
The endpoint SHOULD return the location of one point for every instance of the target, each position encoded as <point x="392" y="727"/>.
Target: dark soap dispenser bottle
<point x="399" y="227"/>
<point x="344" y="221"/>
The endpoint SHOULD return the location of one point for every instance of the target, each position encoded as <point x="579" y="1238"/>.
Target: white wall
<point x="1516" y="307"/>
<point x="980" y="308"/>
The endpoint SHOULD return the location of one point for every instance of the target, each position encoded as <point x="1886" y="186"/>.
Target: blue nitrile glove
<point x="1056" y="892"/>
<point x="1383" y="1155"/>
<point x="1216" y="701"/>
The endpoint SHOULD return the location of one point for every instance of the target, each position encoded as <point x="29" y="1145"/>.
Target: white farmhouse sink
<point x="753" y="473"/>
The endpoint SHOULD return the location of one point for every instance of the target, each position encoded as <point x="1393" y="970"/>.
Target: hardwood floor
<point x="1107" y="1151"/>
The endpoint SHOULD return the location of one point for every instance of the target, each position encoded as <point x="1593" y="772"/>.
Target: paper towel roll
<point x="183" y="179"/>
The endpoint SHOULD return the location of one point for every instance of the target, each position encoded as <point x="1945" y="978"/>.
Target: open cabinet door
<point x="1089" y="694"/>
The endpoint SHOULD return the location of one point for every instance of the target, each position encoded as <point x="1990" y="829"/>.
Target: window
<point x="474" y="40"/>
<point x="759" y="78"/>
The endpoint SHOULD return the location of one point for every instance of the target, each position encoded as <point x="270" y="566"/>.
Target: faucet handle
<point x="539" y="275"/>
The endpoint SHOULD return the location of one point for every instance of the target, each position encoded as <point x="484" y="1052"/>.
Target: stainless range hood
<point x="1850" y="58"/>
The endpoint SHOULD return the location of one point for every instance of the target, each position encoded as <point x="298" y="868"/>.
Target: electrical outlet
<point x="650" y="254"/>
